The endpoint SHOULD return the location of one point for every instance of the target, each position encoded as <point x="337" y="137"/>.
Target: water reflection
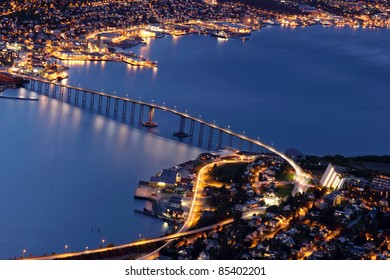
<point x="66" y="171"/>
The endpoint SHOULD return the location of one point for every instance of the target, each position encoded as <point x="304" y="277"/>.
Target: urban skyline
<point x="241" y="198"/>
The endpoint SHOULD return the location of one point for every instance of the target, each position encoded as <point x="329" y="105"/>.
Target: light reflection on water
<point x="66" y="171"/>
<point x="288" y="86"/>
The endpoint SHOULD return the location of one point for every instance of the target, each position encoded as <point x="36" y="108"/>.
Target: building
<point x="166" y="178"/>
<point x="211" y="2"/>
<point x="381" y="185"/>
<point x="334" y="177"/>
<point x="175" y="202"/>
<point x="334" y="198"/>
<point x="248" y="20"/>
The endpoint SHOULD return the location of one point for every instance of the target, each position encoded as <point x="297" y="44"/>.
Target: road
<point x="300" y="181"/>
<point x="198" y="187"/>
<point x="147" y="241"/>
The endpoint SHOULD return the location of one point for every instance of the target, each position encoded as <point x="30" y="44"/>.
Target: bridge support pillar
<point x="211" y="135"/>
<point x="230" y="141"/>
<point x="84" y="98"/>
<point x="61" y="93"/>
<point x="250" y="146"/>
<point x="132" y="113"/>
<point x="92" y="100"/>
<point x="141" y="114"/>
<point x="54" y="92"/>
<point x="69" y="95"/>
<point x="76" y="96"/>
<point x="124" y="109"/>
<point x="192" y="126"/>
<point x="100" y="100"/>
<point x="181" y="133"/>
<point x="201" y="132"/>
<point x="108" y="103"/>
<point x="150" y="122"/>
<point x="116" y="105"/>
<point x="47" y="85"/>
<point x="39" y="86"/>
<point x="240" y="145"/>
<point x="220" y="139"/>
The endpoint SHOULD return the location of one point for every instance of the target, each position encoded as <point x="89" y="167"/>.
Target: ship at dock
<point x="220" y="34"/>
<point x="135" y="60"/>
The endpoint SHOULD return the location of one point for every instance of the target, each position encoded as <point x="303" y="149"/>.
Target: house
<point x="166" y="178"/>
<point x="174" y="202"/>
<point x="251" y="203"/>
<point x="203" y="256"/>
<point x="240" y="207"/>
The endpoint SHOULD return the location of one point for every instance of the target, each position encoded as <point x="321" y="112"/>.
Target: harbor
<point x="168" y="194"/>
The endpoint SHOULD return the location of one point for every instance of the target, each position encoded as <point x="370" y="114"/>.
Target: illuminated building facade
<point x="333" y="177"/>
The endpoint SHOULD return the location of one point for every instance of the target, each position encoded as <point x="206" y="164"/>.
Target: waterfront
<point x="314" y="95"/>
<point x="327" y="87"/>
<point x="66" y="171"/>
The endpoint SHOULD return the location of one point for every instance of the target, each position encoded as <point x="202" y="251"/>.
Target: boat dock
<point x="144" y="191"/>
<point x="19" y="97"/>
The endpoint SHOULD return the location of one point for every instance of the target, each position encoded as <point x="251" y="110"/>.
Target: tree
<point x="237" y="216"/>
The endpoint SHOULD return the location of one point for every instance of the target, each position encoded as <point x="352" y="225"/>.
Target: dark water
<point x="321" y="90"/>
<point x="65" y="170"/>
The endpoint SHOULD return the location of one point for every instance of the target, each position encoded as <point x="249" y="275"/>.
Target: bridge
<point x="119" y="106"/>
<point x="131" y="110"/>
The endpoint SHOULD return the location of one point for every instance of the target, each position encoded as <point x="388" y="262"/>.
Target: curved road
<point x="300" y="184"/>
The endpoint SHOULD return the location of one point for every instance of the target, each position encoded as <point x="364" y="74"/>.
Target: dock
<point x="20" y="98"/>
<point x="144" y="191"/>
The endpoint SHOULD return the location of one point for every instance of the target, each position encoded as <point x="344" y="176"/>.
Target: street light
<point x="66" y="247"/>
<point x="103" y="242"/>
<point x="86" y="248"/>
<point x="24" y="252"/>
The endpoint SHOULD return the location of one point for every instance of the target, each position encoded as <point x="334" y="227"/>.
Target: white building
<point x="333" y="177"/>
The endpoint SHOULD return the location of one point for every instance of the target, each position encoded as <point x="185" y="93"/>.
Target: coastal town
<point x="36" y="36"/>
<point x="341" y="215"/>
<point x="227" y="203"/>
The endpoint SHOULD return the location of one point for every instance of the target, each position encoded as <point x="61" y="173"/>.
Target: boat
<point x="138" y="61"/>
<point x="220" y="34"/>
